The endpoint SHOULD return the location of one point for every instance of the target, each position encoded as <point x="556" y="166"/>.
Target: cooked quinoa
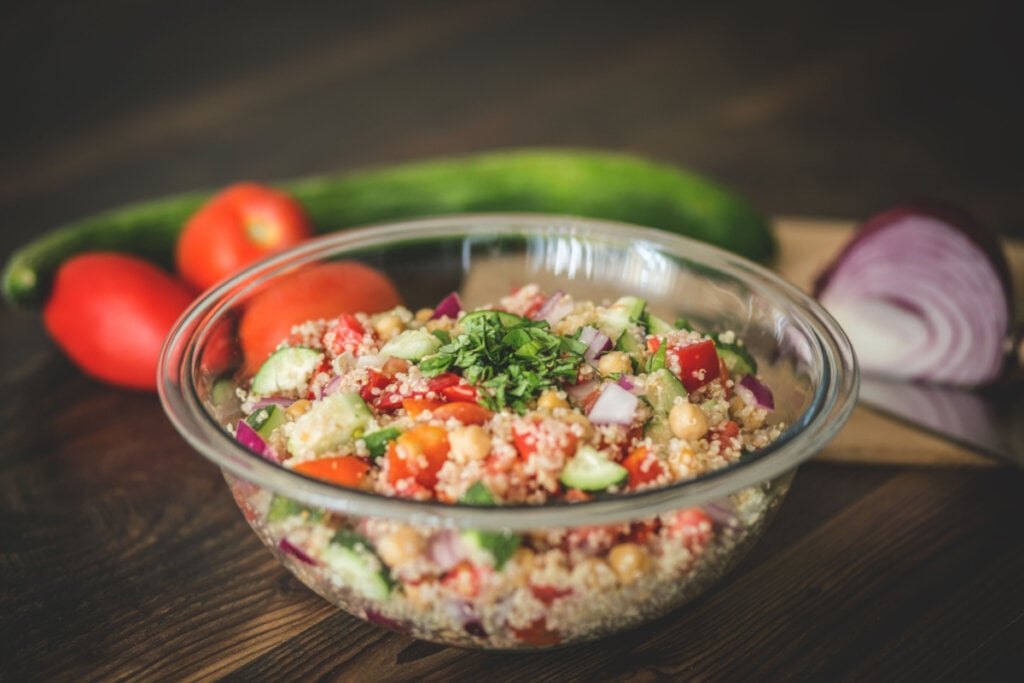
<point x="533" y="399"/>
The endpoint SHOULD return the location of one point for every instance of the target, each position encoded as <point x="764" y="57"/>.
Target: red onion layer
<point x="923" y="293"/>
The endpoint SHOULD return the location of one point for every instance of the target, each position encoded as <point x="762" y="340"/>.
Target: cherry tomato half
<point x="110" y="313"/>
<point x="238" y="226"/>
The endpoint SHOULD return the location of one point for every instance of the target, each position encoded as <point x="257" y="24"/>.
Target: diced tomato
<point x="698" y="363"/>
<point x="640" y="532"/>
<point x="464" y="412"/>
<point x="576" y="496"/>
<point x="723" y="373"/>
<point x="461" y="392"/>
<point x="537" y="634"/>
<point x="325" y="366"/>
<point x="693" y="527"/>
<point x="415" y="406"/>
<point x="643" y="467"/>
<point x="347" y="470"/>
<point x="375" y="392"/>
<point x="445" y="379"/>
<point x="548" y="594"/>
<point x="653" y="344"/>
<point x="465" y="579"/>
<point x="727" y="432"/>
<point x="418" y="453"/>
<point x="348" y="333"/>
<point x="557" y="437"/>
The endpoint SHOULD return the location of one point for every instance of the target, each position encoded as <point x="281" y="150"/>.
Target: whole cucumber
<point x="576" y="182"/>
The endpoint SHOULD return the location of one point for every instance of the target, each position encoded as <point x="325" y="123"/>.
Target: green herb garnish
<point x="516" y="359"/>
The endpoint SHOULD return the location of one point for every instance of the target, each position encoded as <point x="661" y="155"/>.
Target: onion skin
<point x="925" y="293"/>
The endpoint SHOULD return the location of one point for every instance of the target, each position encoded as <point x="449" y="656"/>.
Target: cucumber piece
<point x="266" y="420"/>
<point x="574" y="182"/>
<point x="281" y="508"/>
<point x="377" y="442"/>
<point x="737" y="359"/>
<point x="352" y="557"/>
<point x="623" y="323"/>
<point x="287" y="371"/>
<point x="663" y="389"/>
<point x="591" y="470"/>
<point x="656" y="325"/>
<point x="497" y="546"/>
<point x="412" y="345"/>
<point x="331" y="423"/>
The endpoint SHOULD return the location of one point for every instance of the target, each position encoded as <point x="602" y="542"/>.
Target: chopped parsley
<point x="516" y="359"/>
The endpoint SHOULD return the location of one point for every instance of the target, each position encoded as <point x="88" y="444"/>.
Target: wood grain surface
<point x="122" y="555"/>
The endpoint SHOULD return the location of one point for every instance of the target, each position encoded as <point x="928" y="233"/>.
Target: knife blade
<point x="988" y="420"/>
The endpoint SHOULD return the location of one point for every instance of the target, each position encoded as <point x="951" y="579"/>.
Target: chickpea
<point x="401" y="546"/>
<point x="424" y="314"/>
<point x="298" y="408"/>
<point x="392" y="366"/>
<point x="388" y="326"/>
<point x="687" y="421"/>
<point x="586" y="426"/>
<point x="614" y="362"/>
<point x="629" y="562"/>
<point x="470" y="443"/>
<point x="550" y="400"/>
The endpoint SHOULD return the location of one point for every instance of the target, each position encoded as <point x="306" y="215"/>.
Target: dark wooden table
<point x="122" y="555"/>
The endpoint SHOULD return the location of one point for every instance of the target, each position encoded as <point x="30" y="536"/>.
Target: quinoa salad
<point x="538" y="398"/>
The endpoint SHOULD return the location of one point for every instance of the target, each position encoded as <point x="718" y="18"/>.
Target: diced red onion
<point x="331" y="387"/>
<point x="597" y="342"/>
<point x="722" y="512"/>
<point x="450" y="307"/>
<point x="630" y="384"/>
<point x="287" y="547"/>
<point x="248" y="437"/>
<point x="375" y="617"/>
<point x="555" y="308"/>
<point x="755" y="393"/>
<point x="923" y="292"/>
<point x="446" y="549"/>
<point x="272" y="401"/>
<point x="579" y="392"/>
<point x="615" y="405"/>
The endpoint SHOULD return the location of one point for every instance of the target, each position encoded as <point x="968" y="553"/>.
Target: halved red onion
<point x="287" y="547"/>
<point x="597" y="342"/>
<point x="722" y="512"/>
<point x="450" y="307"/>
<point x="630" y="384"/>
<point x="923" y="291"/>
<point x="755" y="393"/>
<point x="331" y="387"/>
<point x="615" y="405"/>
<point x="555" y="308"/>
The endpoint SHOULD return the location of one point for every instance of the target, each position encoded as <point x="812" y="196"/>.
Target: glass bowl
<point x="547" y="593"/>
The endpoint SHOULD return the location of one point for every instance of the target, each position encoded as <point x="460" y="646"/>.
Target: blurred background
<point x="818" y="109"/>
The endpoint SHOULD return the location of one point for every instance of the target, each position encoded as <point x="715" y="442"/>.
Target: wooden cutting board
<point x="806" y="246"/>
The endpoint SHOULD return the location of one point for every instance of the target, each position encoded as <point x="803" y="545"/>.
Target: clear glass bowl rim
<point x="830" y="407"/>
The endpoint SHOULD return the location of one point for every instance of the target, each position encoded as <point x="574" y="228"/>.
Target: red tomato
<point x="698" y="363"/>
<point x="236" y="227"/>
<point x="110" y="314"/>
<point x="537" y="634"/>
<point x="558" y="437"/>
<point x="693" y="527"/>
<point x="642" y="467"/>
<point x="348" y="333"/>
<point x="325" y="290"/>
<point x="347" y="470"/>
<point x="415" y="406"/>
